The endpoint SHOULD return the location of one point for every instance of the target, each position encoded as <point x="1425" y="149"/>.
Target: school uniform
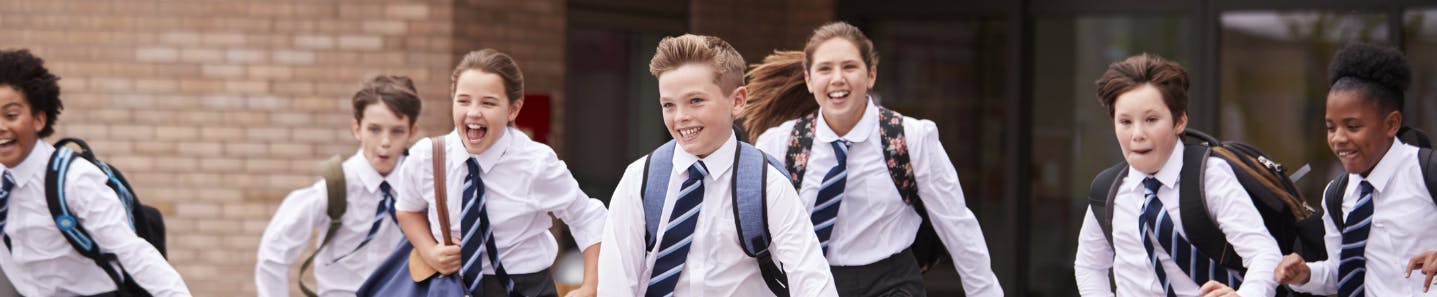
<point x="1228" y="203"/>
<point x="874" y="227"/>
<point x="1402" y="224"/>
<point x="523" y="182"/>
<point x="367" y="233"/>
<point x="715" y="265"/>
<point x="40" y="262"/>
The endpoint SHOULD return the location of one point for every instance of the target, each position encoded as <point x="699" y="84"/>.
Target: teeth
<point x="839" y="94"/>
<point x="689" y="132"/>
<point x="473" y="126"/>
<point x="6" y="141"/>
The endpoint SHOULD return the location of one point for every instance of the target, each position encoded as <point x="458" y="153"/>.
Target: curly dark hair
<point x="1377" y="72"/>
<point x="27" y="74"/>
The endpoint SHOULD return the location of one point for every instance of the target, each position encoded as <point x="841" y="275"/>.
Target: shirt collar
<point x="860" y="132"/>
<point x="1168" y="175"/>
<point x="33" y="167"/>
<point x="357" y="166"/>
<point x="717" y="162"/>
<point x="1387" y="167"/>
<point x="489" y="157"/>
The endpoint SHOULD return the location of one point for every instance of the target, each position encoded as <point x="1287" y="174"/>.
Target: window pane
<point x="1421" y="42"/>
<point x="1273" y="87"/>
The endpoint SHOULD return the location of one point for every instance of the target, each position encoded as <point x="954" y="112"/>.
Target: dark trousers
<point x="538" y="284"/>
<point x="896" y="276"/>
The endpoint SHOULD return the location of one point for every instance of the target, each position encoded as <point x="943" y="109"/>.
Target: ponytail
<point x="777" y="93"/>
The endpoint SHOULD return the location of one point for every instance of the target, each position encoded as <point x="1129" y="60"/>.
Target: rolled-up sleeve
<point x="560" y="194"/>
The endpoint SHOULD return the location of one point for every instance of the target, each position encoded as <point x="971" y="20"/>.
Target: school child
<point x="705" y="214"/>
<point x="1381" y="213"/>
<point x="1149" y="252"/>
<point x="385" y="111"/>
<point x="502" y="189"/>
<point x="36" y="256"/>
<point x="873" y="172"/>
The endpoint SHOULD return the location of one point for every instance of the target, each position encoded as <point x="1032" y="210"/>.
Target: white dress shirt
<point x="42" y="263"/>
<point x="524" y="182"/>
<point x="873" y="221"/>
<point x="306" y="210"/>
<point x="1227" y="202"/>
<point x="1403" y="221"/>
<point x="716" y="264"/>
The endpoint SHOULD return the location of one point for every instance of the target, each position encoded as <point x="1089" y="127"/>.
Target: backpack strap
<point x="334" y="182"/>
<point x="1198" y="224"/>
<point x="1100" y="196"/>
<point x="1428" y="164"/>
<point x="750" y="197"/>
<point x="657" y="168"/>
<point x="895" y="152"/>
<point x="69" y="226"/>
<point x="1332" y="199"/>
<point x="800" y="143"/>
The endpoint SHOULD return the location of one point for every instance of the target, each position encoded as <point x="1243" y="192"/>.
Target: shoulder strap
<point x="800" y="142"/>
<point x="895" y="152"/>
<point x="1428" y="165"/>
<point x="751" y="216"/>
<point x="441" y="195"/>
<point x="1198" y="224"/>
<point x="66" y="222"/>
<point x="1332" y="199"/>
<point x="334" y="183"/>
<point x="1100" y="196"/>
<point x="657" y="168"/>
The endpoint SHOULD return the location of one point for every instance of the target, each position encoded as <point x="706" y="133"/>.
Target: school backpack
<point x="1288" y="219"/>
<point x="146" y="221"/>
<point x="338" y="199"/>
<point x="749" y="198"/>
<point x="927" y="248"/>
<point x="1336" y="189"/>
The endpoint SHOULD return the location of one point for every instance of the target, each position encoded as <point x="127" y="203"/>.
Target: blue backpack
<point x="146" y="221"/>
<point x="749" y="199"/>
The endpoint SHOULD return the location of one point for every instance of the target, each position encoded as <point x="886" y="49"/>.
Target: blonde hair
<point x="674" y="52"/>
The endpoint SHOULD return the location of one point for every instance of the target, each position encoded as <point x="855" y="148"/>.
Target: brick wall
<point x="757" y="27"/>
<point x="217" y="109"/>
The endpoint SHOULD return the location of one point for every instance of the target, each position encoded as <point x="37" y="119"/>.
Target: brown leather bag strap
<point x="440" y="190"/>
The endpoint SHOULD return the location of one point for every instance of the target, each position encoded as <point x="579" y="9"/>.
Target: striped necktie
<point x="5" y="187"/>
<point x="1157" y="225"/>
<point x="385" y="209"/>
<point x="1352" y="271"/>
<point x="475" y="218"/>
<point x="830" y="194"/>
<point x="678" y="235"/>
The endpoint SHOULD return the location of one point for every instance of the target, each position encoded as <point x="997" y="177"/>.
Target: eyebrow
<point x="11" y="104"/>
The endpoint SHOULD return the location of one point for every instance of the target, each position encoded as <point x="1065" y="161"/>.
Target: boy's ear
<point x="1392" y="123"/>
<point x="40" y="120"/>
<point x="354" y="128"/>
<point x="872" y="76"/>
<point x="514" y="108"/>
<point x="1181" y="123"/>
<point x="740" y="97"/>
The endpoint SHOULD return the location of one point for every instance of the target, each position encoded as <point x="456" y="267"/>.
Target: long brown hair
<point x="776" y="89"/>
<point x="776" y="93"/>
<point x="491" y="61"/>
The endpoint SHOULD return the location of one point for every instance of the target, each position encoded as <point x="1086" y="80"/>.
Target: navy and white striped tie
<point x="475" y="219"/>
<point x="1157" y="225"/>
<point x="679" y="234"/>
<point x="830" y="194"/>
<point x="5" y="186"/>
<point x="1352" y="271"/>
<point x="385" y="209"/>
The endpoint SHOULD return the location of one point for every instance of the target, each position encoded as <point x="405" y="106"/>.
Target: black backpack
<point x="927" y="248"/>
<point x="1289" y="220"/>
<point x="1332" y="196"/>
<point x="146" y="221"/>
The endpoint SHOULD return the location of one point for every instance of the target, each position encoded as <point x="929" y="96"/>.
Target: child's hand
<point x="1427" y="262"/>
<point x="1216" y="289"/>
<point x="584" y="291"/>
<point x="1292" y="270"/>
<point x="444" y="258"/>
